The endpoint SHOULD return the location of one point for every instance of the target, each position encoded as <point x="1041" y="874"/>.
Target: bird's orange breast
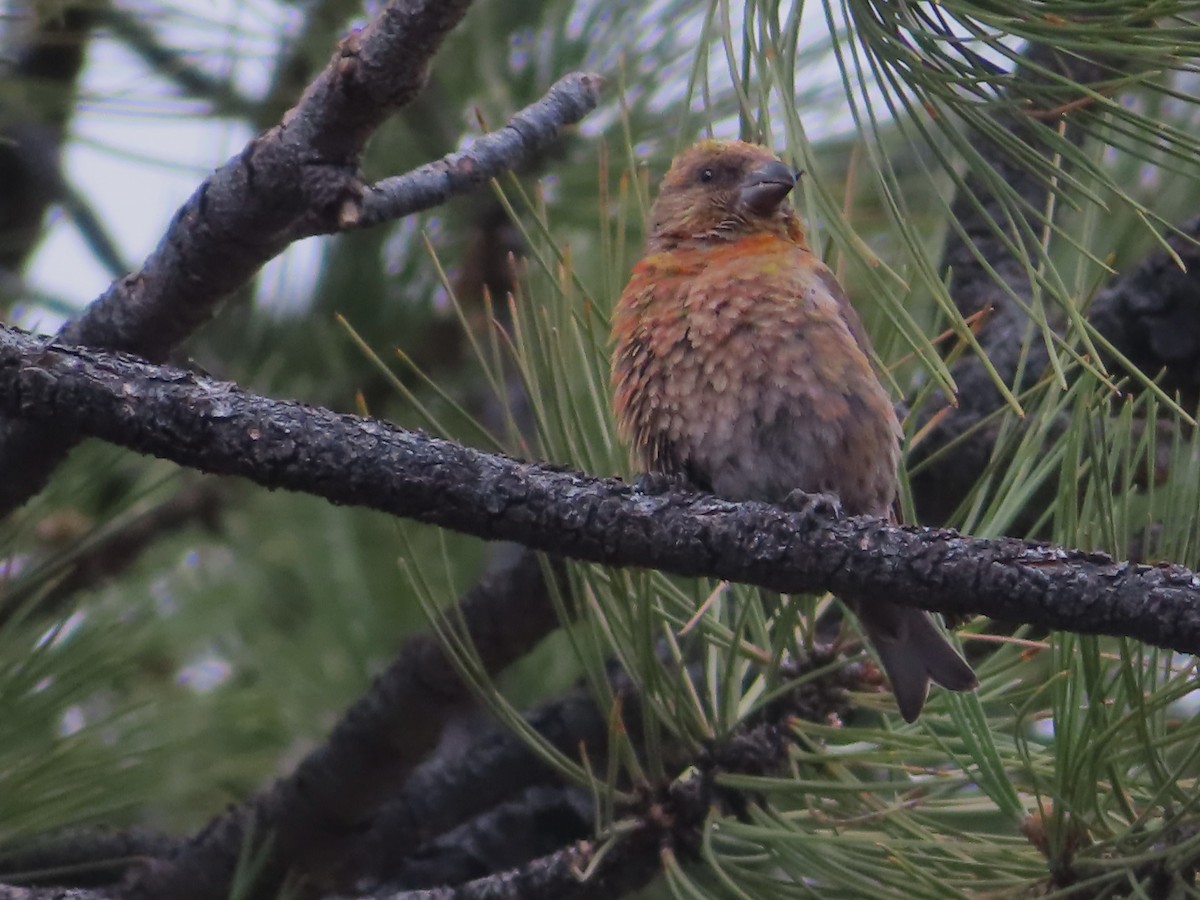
<point x="713" y="341"/>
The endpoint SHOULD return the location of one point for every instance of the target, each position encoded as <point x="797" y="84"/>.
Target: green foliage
<point x="1075" y="752"/>
<point x="199" y="661"/>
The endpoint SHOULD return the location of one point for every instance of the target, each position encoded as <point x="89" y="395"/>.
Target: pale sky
<point x="137" y="154"/>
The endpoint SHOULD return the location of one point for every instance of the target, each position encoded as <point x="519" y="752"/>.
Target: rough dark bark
<point x="1152" y="314"/>
<point x="306" y="820"/>
<point x="94" y="856"/>
<point x="527" y="824"/>
<point x="299" y="178"/>
<point x="449" y="791"/>
<point x="219" y="428"/>
<point x="667" y="818"/>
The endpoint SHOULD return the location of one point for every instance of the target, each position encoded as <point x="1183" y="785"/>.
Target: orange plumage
<point x="740" y="364"/>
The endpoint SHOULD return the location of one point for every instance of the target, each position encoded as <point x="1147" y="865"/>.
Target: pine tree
<point x="1009" y="193"/>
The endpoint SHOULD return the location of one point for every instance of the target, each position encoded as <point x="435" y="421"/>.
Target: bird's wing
<point x="845" y="309"/>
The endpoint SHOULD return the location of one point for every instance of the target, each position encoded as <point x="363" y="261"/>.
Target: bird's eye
<point x="707" y="175"/>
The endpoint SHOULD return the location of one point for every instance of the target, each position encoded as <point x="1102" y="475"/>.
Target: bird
<point x="740" y="368"/>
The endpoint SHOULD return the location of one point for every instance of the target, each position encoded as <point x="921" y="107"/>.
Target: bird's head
<point x="723" y="190"/>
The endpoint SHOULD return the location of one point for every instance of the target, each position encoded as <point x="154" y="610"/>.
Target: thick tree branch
<point x="305" y="820"/>
<point x="299" y="178"/>
<point x="216" y="427"/>
<point x="632" y="864"/>
<point x="526" y="825"/>
<point x="669" y="817"/>
<point x="1152" y="314"/>
<point x="81" y="857"/>
<point x="52" y="893"/>
<point x="446" y="792"/>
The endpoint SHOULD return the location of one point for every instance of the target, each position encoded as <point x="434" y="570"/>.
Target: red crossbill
<point x="740" y="365"/>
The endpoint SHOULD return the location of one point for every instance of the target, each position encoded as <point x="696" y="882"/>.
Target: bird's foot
<point x="818" y="505"/>
<point x="654" y="484"/>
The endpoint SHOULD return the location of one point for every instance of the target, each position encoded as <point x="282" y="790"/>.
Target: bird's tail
<point x="913" y="653"/>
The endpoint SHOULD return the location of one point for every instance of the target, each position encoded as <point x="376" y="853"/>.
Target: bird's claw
<point x="654" y="484"/>
<point x="819" y="505"/>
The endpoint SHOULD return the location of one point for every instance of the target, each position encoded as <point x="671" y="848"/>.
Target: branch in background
<point x="299" y="178"/>
<point x="94" y="232"/>
<point x="510" y="805"/>
<point x="492" y="807"/>
<point x="670" y="817"/>
<point x="174" y="66"/>
<point x="587" y="870"/>
<point x="305" y="820"/>
<point x="497" y="805"/>
<point x="82" y="857"/>
<point x="628" y="866"/>
<point x="447" y="792"/>
<point x="983" y="271"/>
<point x="532" y="823"/>
<point x="526" y="135"/>
<point x="1152" y="314"/>
<point x="303" y="55"/>
<point x="51" y="893"/>
<point x="38" y="102"/>
<point x="217" y="427"/>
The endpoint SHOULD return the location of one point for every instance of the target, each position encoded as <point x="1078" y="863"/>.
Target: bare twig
<point x="217" y="427"/>
<point x="527" y="134"/>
